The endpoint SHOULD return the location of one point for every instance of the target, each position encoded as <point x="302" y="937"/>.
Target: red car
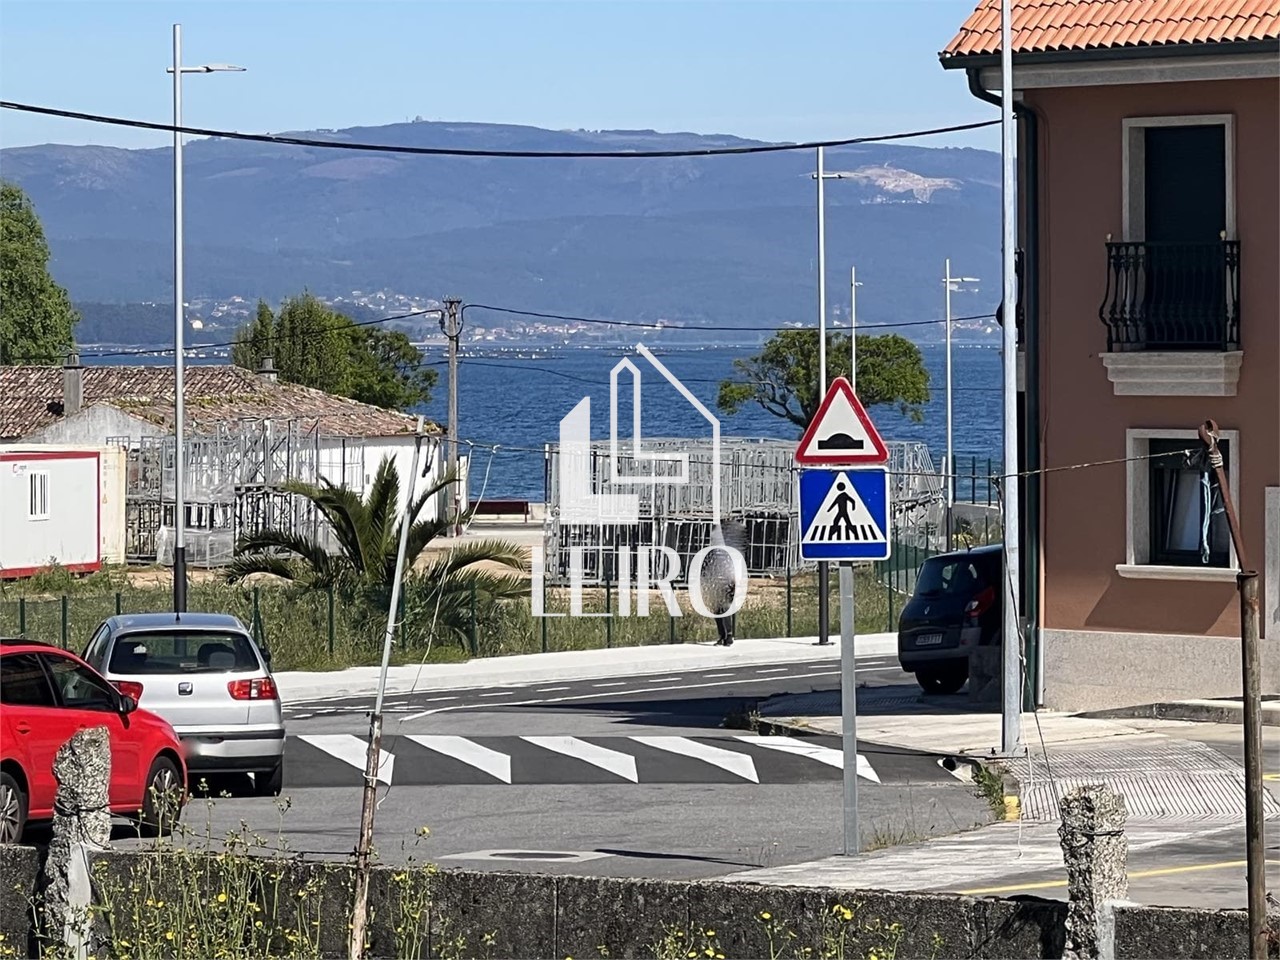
<point x="46" y="695"/>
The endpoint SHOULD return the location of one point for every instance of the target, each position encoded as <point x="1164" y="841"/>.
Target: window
<point x="79" y="687"/>
<point x="151" y="653"/>
<point x="1188" y="518"/>
<point x="38" y="495"/>
<point x="1177" y="524"/>
<point x="97" y="649"/>
<point x="956" y="578"/>
<point x="23" y="682"/>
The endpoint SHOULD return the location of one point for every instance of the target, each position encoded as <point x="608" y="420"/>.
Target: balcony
<point x="1172" y="296"/>
<point x="1172" y="313"/>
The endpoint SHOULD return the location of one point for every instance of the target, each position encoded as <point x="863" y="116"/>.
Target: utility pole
<point x="1251" y="683"/>
<point x="451" y="325"/>
<point x="1011" y="631"/>
<point x="824" y="587"/>
<point x="368" y="803"/>
<point x="179" y="324"/>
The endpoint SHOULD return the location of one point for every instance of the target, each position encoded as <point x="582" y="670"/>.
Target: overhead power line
<point x="460" y="152"/>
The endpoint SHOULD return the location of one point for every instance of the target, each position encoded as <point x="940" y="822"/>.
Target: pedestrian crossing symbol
<point x="844" y="514"/>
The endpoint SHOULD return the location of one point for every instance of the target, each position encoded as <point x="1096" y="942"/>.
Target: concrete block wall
<point x="541" y="916"/>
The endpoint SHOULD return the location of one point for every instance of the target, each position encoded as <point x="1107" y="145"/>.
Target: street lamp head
<point x="211" y="68"/>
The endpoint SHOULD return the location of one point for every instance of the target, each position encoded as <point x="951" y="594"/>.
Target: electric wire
<point x="461" y="152"/>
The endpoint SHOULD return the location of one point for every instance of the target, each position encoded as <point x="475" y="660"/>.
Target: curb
<point x="1197" y="711"/>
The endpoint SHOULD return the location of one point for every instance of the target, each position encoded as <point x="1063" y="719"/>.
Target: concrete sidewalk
<point x="1184" y="796"/>
<point x="531" y="668"/>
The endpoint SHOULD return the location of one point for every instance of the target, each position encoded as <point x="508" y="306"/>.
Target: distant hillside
<point x="723" y="239"/>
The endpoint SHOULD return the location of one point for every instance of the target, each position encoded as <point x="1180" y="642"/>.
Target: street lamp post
<point x="948" y="280"/>
<point x="179" y="466"/>
<point x="821" y="176"/>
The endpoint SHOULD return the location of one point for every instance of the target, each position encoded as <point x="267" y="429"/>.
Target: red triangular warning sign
<point x="841" y="433"/>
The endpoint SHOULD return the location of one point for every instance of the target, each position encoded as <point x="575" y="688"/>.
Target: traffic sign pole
<point x="849" y="710"/>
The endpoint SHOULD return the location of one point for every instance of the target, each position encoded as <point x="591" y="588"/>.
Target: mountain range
<point x="729" y="239"/>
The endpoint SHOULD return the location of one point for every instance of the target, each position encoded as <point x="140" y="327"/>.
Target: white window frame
<point x="1138" y="565"/>
<point x="1133" y="164"/>
<point x="32" y="477"/>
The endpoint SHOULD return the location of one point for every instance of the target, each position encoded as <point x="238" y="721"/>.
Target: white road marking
<point x="712" y="676"/>
<point x="832" y="758"/>
<point x="739" y="764"/>
<point x="437" y="699"/>
<point x="351" y="749"/>
<point x="500" y="693"/>
<point x="774" y="670"/>
<point x="497" y="765"/>
<point x="614" y="761"/>
<point x="550" y="689"/>
<point x="664" y="679"/>
<point x="618" y="683"/>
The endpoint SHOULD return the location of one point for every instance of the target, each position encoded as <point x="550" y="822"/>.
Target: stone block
<point x="1023" y="928"/>
<point x="482" y="914"/>
<point x="624" y="917"/>
<point x="1167" y="933"/>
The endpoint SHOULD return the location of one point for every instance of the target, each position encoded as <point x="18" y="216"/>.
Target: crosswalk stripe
<point x="832" y="758"/>
<point x="615" y="762"/>
<point x="738" y="764"/>
<point x="497" y="765"/>
<point x="351" y="749"/>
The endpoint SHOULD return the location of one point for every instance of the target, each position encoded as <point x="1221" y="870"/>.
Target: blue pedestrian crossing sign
<point x="844" y="514"/>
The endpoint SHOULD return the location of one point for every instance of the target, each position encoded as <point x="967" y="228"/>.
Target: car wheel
<point x="942" y="680"/>
<point x="162" y="803"/>
<point x="268" y="783"/>
<point x="13" y="809"/>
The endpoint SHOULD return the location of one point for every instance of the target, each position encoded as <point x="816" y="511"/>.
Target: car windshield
<point x="182" y="652"/>
<point x="940" y="576"/>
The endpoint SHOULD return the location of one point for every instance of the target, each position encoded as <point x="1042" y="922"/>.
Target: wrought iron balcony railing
<point x="1172" y="296"/>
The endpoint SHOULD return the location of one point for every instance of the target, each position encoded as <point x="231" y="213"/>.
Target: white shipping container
<point x="50" y="510"/>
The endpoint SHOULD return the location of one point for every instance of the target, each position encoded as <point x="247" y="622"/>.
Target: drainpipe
<point x="1030" y="304"/>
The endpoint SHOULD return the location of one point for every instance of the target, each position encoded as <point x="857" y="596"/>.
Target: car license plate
<point x="929" y="640"/>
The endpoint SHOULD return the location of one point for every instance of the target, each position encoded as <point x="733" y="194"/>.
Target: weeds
<point x="988" y="784"/>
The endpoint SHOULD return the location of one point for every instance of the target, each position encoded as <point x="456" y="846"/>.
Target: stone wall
<point x="539" y="916"/>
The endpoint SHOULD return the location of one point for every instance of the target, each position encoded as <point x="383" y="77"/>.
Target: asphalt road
<point x="623" y="776"/>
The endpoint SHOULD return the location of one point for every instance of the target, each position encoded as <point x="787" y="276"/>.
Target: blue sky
<point x="771" y="69"/>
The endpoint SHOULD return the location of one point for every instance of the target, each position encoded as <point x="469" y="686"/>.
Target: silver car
<point x="204" y="674"/>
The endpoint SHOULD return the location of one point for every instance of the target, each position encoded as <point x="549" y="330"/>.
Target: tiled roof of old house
<point x="1045" y="26"/>
<point x="31" y="398"/>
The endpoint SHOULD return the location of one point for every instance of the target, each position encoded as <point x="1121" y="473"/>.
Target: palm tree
<point x="368" y="536"/>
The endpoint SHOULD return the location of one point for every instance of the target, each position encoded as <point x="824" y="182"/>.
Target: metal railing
<point x="1172" y="296"/>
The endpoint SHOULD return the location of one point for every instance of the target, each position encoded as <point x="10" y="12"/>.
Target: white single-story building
<point x="247" y="434"/>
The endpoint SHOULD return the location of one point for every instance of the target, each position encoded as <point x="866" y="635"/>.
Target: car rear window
<point x="170" y="652"/>
<point x="940" y="577"/>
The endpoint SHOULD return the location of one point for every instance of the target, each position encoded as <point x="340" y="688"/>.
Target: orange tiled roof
<point x="31" y="396"/>
<point x="1043" y="26"/>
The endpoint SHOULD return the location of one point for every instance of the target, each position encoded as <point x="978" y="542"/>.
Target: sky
<point x="791" y="70"/>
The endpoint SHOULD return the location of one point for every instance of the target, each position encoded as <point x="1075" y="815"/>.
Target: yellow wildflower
<point x="766" y="915"/>
<point x="709" y="933"/>
<point x="222" y="897"/>
<point x="168" y="934"/>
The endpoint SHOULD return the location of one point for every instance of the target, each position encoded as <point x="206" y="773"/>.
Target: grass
<point x="303" y="634"/>
<point x="989" y="785"/>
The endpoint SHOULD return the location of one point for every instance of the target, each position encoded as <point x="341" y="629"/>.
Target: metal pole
<point x="1011" y="705"/>
<point x="853" y="329"/>
<point x="824" y="604"/>
<point x="822" y="278"/>
<point x="951" y="456"/>
<point x="849" y="710"/>
<point x="179" y="507"/>
<point x="360" y="910"/>
<point x="1251" y="683"/>
<point x="453" y="330"/>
